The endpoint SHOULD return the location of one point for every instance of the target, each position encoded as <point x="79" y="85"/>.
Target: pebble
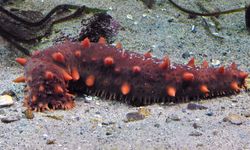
<point x="134" y="116"/>
<point x="246" y="113"/>
<point x="6" y="100"/>
<point x="10" y="119"/>
<point x="2" y="112"/>
<point x="9" y="92"/>
<point x="88" y="99"/>
<point x="170" y="20"/>
<point x="193" y="106"/>
<point x="129" y="16"/>
<point x="105" y="123"/>
<point x="215" y="132"/>
<point x="186" y="55"/>
<point x="196" y="125"/>
<point x="28" y="114"/>
<point x="215" y="63"/>
<point x="193" y="29"/>
<point x="144" y="111"/>
<point x="209" y="113"/>
<point x="108" y="133"/>
<point x="195" y="133"/>
<point x="173" y="117"/>
<point x="234" y="119"/>
<point x="51" y="141"/>
<point x="157" y="125"/>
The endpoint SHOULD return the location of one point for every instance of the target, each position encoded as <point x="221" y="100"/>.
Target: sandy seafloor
<point x="99" y="124"/>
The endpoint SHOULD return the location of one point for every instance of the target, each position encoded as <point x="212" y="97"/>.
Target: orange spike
<point x="221" y="69"/>
<point x="204" y="64"/>
<point x="243" y="75"/>
<point x="49" y="75"/>
<point x="165" y="64"/>
<point x="34" y="98"/>
<point x="57" y="56"/>
<point x="234" y="66"/>
<point x="29" y="79"/>
<point x="148" y="55"/>
<point x="204" y="89"/>
<point x="58" y="89"/>
<point x="21" y="61"/>
<point x="125" y="88"/>
<point x="191" y="63"/>
<point x="118" y="45"/>
<point x="108" y="61"/>
<point x="171" y="91"/>
<point x="78" y="53"/>
<point x="41" y="88"/>
<point x="234" y="86"/>
<point x="66" y="76"/>
<point x="90" y="80"/>
<point x="102" y="40"/>
<point x="75" y="74"/>
<point x="70" y="95"/>
<point x="136" y="69"/>
<point x="85" y="43"/>
<point x="19" y="79"/>
<point x="188" y="76"/>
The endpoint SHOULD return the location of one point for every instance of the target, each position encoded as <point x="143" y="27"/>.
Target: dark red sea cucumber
<point x="110" y="72"/>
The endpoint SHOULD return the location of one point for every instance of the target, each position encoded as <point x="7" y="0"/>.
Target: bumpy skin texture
<point x="112" y="73"/>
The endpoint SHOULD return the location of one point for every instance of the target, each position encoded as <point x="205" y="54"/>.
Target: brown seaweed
<point x="18" y="26"/>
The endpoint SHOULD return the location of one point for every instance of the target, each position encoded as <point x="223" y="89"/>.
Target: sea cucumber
<point x="110" y="72"/>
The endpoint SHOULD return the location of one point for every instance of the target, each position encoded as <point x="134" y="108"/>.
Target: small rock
<point x="2" y="112"/>
<point x="129" y="16"/>
<point x="28" y="114"/>
<point x="215" y="132"/>
<point x="199" y="145"/>
<point x="134" y="116"/>
<point x="6" y="100"/>
<point x="173" y="117"/>
<point x="224" y="53"/>
<point x="234" y="100"/>
<point x="56" y="117"/>
<point x="88" y="99"/>
<point x="196" y="126"/>
<point x="215" y="62"/>
<point x="210" y="113"/>
<point x="98" y="112"/>
<point x="108" y="133"/>
<point x="184" y="110"/>
<point x="105" y="123"/>
<point x="9" y="92"/>
<point x="157" y="125"/>
<point x="186" y="55"/>
<point x="193" y="106"/>
<point x="170" y="20"/>
<point x="193" y="29"/>
<point x="234" y="119"/>
<point x="144" y="111"/>
<point x="45" y="136"/>
<point x="10" y="119"/>
<point x="195" y="133"/>
<point x="51" y="141"/>
<point x="246" y="113"/>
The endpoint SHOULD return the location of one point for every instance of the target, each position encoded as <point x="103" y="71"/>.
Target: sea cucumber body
<point x="104" y="70"/>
